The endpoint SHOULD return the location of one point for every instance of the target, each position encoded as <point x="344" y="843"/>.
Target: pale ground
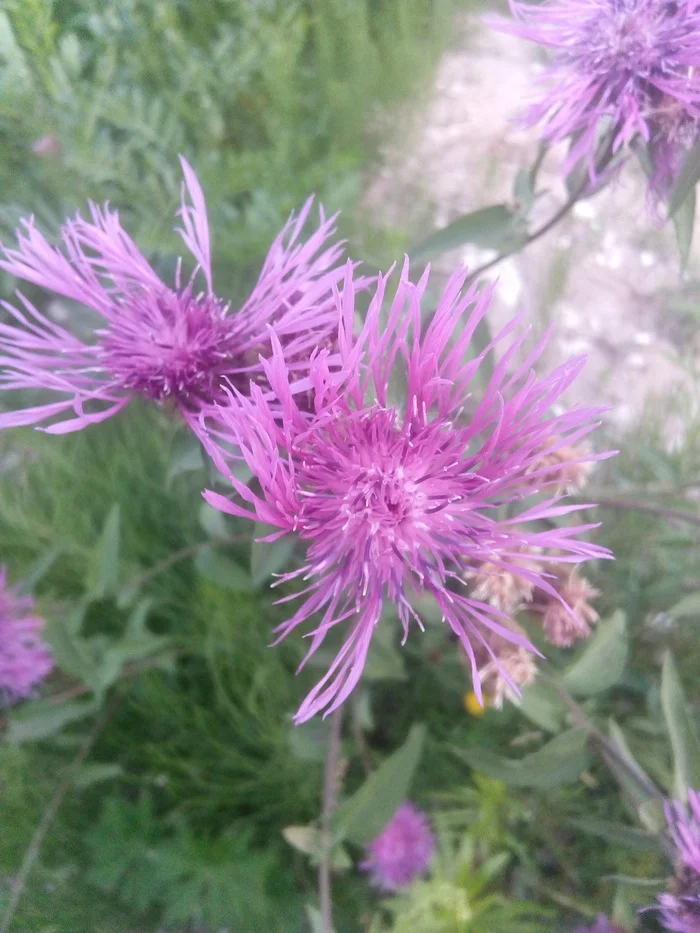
<point x="604" y="275"/>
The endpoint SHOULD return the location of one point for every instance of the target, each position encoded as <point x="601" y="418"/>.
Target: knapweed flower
<point x="402" y="851"/>
<point x="680" y="909"/>
<point x="501" y="680"/>
<point x="25" y="659"/>
<point x="630" y="66"/>
<point x="602" y="925"/>
<point x="563" y="628"/>
<point x="572" y="466"/>
<point x="403" y="492"/>
<point x="164" y="343"/>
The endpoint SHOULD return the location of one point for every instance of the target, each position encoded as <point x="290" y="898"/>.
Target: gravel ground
<point x="606" y="274"/>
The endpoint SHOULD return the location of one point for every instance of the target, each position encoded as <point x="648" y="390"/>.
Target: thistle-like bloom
<point x="164" y="343"/>
<point x="680" y="909"/>
<point x="515" y="666"/>
<point x="397" y="497"/>
<point x="629" y="64"/>
<point x="602" y="925"/>
<point x="25" y="659"/>
<point x="563" y="628"/>
<point x="402" y="851"/>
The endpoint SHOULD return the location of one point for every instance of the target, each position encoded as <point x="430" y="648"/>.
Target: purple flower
<point x="25" y="659"/>
<point x="159" y="342"/>
<point x="680" y="909"/>
<point x="631" y="65"/>
<point x="395" y="498"/>
<point x="602" y="925"/>
<point x="402" y="851"/>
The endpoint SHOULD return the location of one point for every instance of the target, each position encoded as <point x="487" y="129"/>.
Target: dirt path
<point x="606" y="275"/>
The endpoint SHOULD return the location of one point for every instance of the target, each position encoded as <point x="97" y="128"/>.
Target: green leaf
<point x="543" y="706"/>
<point x="559" y="761"/>
<point x="687" y="178"/>
<point x="37" y="571"/>
<point x="688" y="607"/>
<point x="309" y="840"/>
<point x="94" y="772"/>
<point x="602" y="661"/>
<point x="681" y="729"/>
<point x="495" y="227"/>
<point x="212" y="521"/>
<point x="364" y="815"/>
<point x="268" y="557"/>
<point x="185" y="457"/>
<point x="618" y="833"/>
<point x="72" y="652"/>
<point x="638" y="788"/>
<point x="316" y="921"/>
<point x="223" y="571"/>
<point x="384" y="661"/>
<point x="103" y="567"/>
<point x="40" y="719"/>
<point x="684" y="222"/>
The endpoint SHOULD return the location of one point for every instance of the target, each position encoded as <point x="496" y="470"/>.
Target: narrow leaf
<point x="494" y="227"/>
<point x="681" y="729"/>
<point x="684" y="222"/>
<point x="103" y="568"/>
<point x="361" y="818"/>
<point x="618" y="833"/>
<point x="688" y="607"/>
<point x="223" y="571"/>
<point x="687" y="178"/>
<point x="268" y="557"/>
<point x="41" y="719"/>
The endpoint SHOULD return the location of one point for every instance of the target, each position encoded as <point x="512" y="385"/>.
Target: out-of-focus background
<point x="402" y="114"/>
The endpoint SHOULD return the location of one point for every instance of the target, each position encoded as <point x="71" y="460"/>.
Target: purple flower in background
<point x="632" y="64"/>
<point x="394" y="498"/>
<point x="159" y="342"/>
<point x="402" y="851"/>
<point x="602" y="925"/>
<point x="680" y="909"/>
<point x="25" y="659"/>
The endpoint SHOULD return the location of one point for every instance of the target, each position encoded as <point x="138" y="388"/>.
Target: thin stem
<point x="632" y="505"/>
<point x="330" y="792"/>
<point x="49" y="814"/>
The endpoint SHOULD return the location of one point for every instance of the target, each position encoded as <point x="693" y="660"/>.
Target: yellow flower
<point x="472" y="705"/>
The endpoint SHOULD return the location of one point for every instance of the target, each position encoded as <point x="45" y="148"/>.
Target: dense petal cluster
<point x="401" y="479"/>
<point x="402" y="851"/>
<point x="680" y="908"/>
<point x="178" y="344"/>
<point x="25" y="659"/>
<point x="602" y="925"/>
<point x="631" y="65"/>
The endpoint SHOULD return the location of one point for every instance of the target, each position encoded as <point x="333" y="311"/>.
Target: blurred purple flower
<point x="162" y="343"/>
<point x="602" y="925"/>
<point x="395" y="491"/>
<point x="680" y="909"/>
<point x="25" y="659"/>
<point x="402" y="851"/>
<point x="633" y="64"/>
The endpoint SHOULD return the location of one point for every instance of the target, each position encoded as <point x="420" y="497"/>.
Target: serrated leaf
<point x="494" y="227"/>
<point x="222" y="570"/>
<point x="681" y="729"/>
<point x="618" y="833"/>
<point x="364" y="815"/>
<point x="268" y="557"/>
<point x="684" y="223"/>
<point x="103" y="567"/>
<point x="602" y="661"/>
<point x="560" y="761"/>
<point x="40" y="719"/>
<point x="687" y="178"/>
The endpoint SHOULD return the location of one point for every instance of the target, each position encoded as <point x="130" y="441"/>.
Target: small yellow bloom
<point x="472" y="705"/>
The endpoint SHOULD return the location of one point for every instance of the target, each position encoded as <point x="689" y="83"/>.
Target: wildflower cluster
<point x="444" y="490"/>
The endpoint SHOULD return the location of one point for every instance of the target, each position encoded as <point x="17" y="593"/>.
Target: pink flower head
<point x="25" y="659"/>
<point x="680" y="909"/>
<point x="400" y="497"/>
<point x="402" y="851"/>
<point x="630" y="64"/>
<point x="160" y="342"/>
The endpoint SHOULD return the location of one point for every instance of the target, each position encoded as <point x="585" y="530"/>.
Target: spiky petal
<point x="165" y="343"/>
<point x="402" y="851"/>
<point x="631" y="65"/>
<point x="25" y="658"/>
<point x="393" y="498"/>
<point x="680" y="907"/>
